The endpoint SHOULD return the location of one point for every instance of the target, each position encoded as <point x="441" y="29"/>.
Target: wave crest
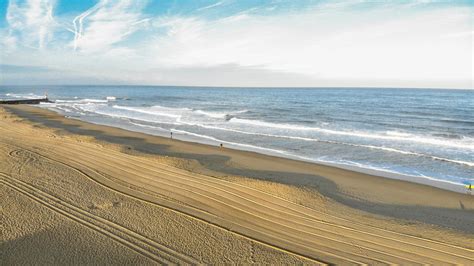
<point x="464" y="143"/>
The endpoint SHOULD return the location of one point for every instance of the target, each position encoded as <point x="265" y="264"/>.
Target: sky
<point x="271" y="43"/>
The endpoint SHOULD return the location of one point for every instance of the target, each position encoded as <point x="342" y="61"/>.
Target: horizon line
<point x="238" y="87"/>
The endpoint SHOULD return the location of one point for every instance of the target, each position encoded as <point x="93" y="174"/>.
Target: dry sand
<point x="78" y="193"/>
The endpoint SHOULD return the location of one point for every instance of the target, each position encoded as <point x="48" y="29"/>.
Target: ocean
<point x="416" y="133"/>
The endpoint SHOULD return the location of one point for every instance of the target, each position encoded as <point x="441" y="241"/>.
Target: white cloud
<point x="107" y="23"/>
<point x="328" y="45"/>
<point x="322" y="45"/>
<point x="31" y="22"/>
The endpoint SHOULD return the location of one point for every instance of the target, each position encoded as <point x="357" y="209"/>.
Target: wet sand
<point x="87" y="193"/>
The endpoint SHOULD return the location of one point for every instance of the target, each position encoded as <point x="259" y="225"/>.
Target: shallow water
<point x="424" y="133"/>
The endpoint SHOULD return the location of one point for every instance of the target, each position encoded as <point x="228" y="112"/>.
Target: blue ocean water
<point x="419" y="133"/>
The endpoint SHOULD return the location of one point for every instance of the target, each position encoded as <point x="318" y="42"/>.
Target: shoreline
<point x="342" y="185"/>
<point x="382" y="173"/>
<point x="424" y="180"/>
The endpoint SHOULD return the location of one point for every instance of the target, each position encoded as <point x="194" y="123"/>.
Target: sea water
<point x="420" y="133"/>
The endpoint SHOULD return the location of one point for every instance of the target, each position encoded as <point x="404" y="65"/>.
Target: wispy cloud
<point x="31" y="23"/>
<point x="107" y="23"/>
<point x="78" y="22"/>
<point x="210" y="6"/>
<point x="301" y="43"/>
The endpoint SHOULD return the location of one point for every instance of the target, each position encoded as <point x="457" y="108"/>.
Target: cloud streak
<point x="78" y="22"/>
<point x="210" y="6"/>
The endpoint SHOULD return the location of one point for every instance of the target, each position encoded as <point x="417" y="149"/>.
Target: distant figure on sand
<point x="171" y="133"/>
<point x="468" y="188"/>
<point x="222" y="145"/>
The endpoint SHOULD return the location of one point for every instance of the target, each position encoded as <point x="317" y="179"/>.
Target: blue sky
<point x="238" y="43"/>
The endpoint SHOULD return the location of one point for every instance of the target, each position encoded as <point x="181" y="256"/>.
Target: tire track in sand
<point x="144" y="246"/>
<point x="187" y="210"/>
<point x="343" y="223"/>
<point x="394" y="247"/>
<point x="314" y="248"/>
<point x="81" y="162"/>
<point x="228" y="191"/>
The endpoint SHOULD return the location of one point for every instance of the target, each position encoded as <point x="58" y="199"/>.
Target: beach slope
<point x="77" y="192"/>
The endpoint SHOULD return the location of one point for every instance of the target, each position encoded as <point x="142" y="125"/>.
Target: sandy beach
<point x="79" y="193"/>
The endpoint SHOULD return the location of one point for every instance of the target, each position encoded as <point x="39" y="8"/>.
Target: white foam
<point x="398" y="134"/>
<point x="155" y="110"/>
<point x="229" y="142"/>
<point x="219" y="114"/>
<point x="336" y="142"/>
<point x="148" y="126"/>
<point x="81" y="101"/>
<point x="379" y="169"/>
<point x="24" y="96"/>
<point x="94" y="109"/>
<point x="320" y="160"/>
<point x="466" y="143"/>
<point x="211" y="114"/>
